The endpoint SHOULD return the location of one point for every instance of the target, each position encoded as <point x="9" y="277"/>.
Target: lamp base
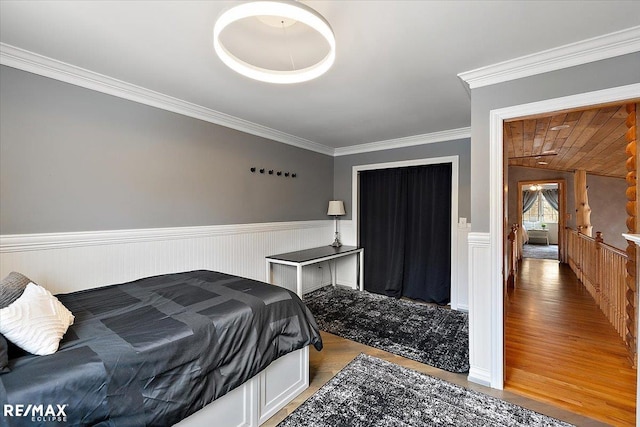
<point x="336" y="242"/>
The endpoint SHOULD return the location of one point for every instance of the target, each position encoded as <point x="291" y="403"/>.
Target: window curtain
<point x="405" y="229"/>
<point x="551" y="196"/>
<point x="528" y="199"/>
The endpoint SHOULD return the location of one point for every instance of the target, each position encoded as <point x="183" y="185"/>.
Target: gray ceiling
<point x="395" y="74"/>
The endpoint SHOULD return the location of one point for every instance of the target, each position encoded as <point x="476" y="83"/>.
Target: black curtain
<point x="383" y="210"/>
<point x="405" y="228"/>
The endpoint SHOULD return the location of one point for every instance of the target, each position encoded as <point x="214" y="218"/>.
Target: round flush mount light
<point x="275" y="13"/>
<point x="560" y="127"/>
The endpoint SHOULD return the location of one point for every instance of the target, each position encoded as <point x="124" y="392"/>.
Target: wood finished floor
<point x="561" y="349"/>
<point x="338" y="352"/>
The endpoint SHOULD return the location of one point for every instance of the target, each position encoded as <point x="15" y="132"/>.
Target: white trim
<point x="480" y="363"/>
<point x="25" y="60"/>
<point x="635" y="238"/>
<point x="409" y="141"/>
<point x="461" y="301"/>
<point x="590" y="50"/>
<point x="496" y="188"/>
<point x="479" y="376"/>
<point x="29" y="242"/>
<point x="454" y="160"/>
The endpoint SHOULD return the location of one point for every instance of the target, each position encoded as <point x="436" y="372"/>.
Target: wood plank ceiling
<point x="590" y="139"/>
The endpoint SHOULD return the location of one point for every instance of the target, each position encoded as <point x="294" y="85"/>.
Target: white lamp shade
<point x="336" y="207"/>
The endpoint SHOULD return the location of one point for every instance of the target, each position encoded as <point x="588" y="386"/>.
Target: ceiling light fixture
<point x="559" y="127"/>
<point x="286" y="12"/>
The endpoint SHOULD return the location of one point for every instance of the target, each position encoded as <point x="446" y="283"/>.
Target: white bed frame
<point x="255" y="401"/>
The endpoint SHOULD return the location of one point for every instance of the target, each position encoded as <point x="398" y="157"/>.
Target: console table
<point x="539" y="235"/>
<point x="299" y="259"/>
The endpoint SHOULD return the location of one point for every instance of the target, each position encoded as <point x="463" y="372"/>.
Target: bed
<point x="158" y="350"/>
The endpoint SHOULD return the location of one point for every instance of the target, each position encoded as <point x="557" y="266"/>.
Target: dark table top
<point x="313" y="253"/>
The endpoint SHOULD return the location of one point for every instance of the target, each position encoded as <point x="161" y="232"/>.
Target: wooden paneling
<point x="594" y="141"/>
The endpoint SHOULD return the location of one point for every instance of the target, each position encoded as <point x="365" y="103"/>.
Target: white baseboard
<point x="479" y="376"/>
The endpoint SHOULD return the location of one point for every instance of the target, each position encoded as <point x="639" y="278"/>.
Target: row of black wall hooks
<point x="271" y="172"/>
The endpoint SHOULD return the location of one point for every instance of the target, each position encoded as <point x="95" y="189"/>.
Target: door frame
<point x="454" y="161"/>
<point x="562" y="209"/>
<point x="497" y="187"/>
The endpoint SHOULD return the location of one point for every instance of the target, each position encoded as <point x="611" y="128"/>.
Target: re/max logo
<point x="20" y="410"/>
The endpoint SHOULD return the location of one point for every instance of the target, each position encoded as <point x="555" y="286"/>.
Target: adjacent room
<point x="320" y="213"/>
<point x="569" y="275"/>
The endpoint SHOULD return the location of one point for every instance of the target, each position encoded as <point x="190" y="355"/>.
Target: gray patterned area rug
<point x="429" y="334"/>
<point x="540" y="251"/>
<point x="373" y="392"/>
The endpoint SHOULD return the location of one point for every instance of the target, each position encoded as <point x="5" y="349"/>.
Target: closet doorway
<point x="405" y="214"/>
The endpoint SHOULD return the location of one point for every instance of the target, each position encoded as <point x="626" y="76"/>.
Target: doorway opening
<point x="541" y="218"/>
<point x="556" y="329"/>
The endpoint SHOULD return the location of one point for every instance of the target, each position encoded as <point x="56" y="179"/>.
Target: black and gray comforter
<point x="154" y="351"/>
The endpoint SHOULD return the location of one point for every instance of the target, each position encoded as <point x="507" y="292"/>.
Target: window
<point x="541" y="211"/>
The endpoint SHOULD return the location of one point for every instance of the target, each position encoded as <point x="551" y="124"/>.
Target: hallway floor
<point x="560" y="348"/>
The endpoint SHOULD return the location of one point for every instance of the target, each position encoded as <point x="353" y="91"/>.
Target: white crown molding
<point x="40" y="241"/>
<point x="582" y="52"/>
<point x="25" y="60"/>
<point x="389" y="144"/>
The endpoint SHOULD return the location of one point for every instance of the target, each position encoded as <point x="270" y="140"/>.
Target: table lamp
<point x="336" y="209"/>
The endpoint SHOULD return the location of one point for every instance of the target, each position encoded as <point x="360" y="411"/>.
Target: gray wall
<point x="619" y="71"/>
<point x="608" y="200"/>
<point x="72" y="159"/>
<point x="343" y="166"/>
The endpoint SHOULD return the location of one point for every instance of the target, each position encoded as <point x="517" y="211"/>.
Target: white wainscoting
<point x="346" y="267"/>
<point x="480" y="316"/>
<point x="460" y="301"/>
<point x="67" y="262"/>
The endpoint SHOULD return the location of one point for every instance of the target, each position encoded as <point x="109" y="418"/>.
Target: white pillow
<point x="36" y="321"/>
